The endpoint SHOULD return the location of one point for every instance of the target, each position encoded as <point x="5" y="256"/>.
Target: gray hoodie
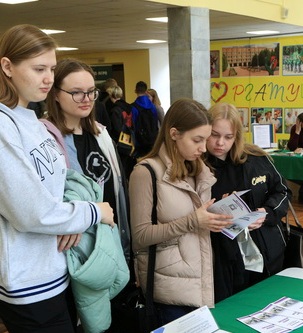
<point x="32" y="211"/>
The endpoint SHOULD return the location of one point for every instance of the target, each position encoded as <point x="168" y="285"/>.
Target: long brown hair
<point x="240" y="149"/>
<point x="20" y="43"/>
<point x="54" y="110"/>
<point x="185" y="114"/>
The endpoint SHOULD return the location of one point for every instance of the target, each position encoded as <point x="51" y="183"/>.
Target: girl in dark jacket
<point x="241" y="166"/>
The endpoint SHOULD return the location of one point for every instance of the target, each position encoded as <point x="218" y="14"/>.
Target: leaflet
<point x="198" y="321"/>
<point x="283" y="315"/>
<point x="242" y="215"/>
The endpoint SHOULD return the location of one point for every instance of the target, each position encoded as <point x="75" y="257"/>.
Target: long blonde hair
<point x="185" y="114"/>
<point x="239" y="149"/>
<point x="154" y="95"/>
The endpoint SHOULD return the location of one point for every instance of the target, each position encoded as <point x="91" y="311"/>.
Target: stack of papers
<point x="281" y="316"/>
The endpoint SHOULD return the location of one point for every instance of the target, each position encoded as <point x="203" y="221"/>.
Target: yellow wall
<point x="269" y="91"/>
<point x="263" y="9"/>
<point x="136" y="66"/>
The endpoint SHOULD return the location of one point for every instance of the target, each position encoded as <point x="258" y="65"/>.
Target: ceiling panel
<point x="109" y="25"/>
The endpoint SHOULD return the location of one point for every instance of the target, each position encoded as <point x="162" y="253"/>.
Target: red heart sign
<point x="221" y="89"/>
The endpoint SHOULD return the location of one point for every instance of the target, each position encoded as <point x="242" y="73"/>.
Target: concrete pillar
<point x="189" y="53"/>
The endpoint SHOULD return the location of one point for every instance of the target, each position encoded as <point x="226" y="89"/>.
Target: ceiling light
<point x="263" y="32"/>
<point x="151" y="41"/>
<point x="50" y="31"/>
<point x="16" y="2"/>
<point x="63" y="48"/>
<point x="158" y="19"/>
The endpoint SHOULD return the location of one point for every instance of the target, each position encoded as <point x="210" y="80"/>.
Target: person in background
<point x="295" y="143"/>
<point x="115" y="94"/>
<point x="144" y="104"/>
<point x="36" y="226"/>
<point x="152" y="93"/>
<point x="258" y="118"/>
<point x="268" y="118"/>
<point x="184" y="273"/>
<point x="288" y="122"/>
<point x="117" y="122"/>
<point x="89" y="147"/>
<point x="241" y="166"/>
<point x="276" y="122"/>
<point x="296" y="134"/>
<point x="103" y="104"/>
<point x="109" y="82"/>
<point x="104" y="97"/>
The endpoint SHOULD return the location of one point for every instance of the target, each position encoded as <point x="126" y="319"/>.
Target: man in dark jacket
<point x="145" y="131"/>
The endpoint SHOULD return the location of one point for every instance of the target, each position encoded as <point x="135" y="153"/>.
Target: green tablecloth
<point x="290" y="167"/>
<point x="254" y="299"/>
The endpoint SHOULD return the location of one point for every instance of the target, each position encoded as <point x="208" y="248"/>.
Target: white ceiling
<point x="105" y="25"/>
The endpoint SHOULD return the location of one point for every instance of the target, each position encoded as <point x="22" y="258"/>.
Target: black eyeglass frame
<point x="85" y="93"/>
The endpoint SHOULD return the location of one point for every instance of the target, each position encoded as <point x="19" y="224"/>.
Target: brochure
<point x="283" y="315"/>
<point x="197" y="321"/>
<point x="235" y="206"/>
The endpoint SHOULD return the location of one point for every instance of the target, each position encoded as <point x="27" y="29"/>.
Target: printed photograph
<point x="290" y="116"/>
<point x="292" y="60"/>
<point x="268" y="116"/>
<point x="214" y="64"/>
<point x="250" y="60"/>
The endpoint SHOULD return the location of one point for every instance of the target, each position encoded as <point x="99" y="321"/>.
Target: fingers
<point x="65" y="242"/>
<point x="216" y="225"/>
<point x="207" y="204"/>
<point x="256" y="225"/>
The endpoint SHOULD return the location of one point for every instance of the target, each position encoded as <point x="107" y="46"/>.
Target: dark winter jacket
<point x="268" y="190"/>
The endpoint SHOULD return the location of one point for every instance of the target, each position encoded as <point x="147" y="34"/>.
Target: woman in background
<point x="240" y="166"/>
<point x="295" y="143"/>
<point x="152" y="93"/>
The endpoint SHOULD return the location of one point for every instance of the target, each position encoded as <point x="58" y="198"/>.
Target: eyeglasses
<point x="79" y="96"/>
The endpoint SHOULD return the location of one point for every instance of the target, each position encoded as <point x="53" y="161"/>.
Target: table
<point x="290" y="166"/>
<point x="286" y="283"/>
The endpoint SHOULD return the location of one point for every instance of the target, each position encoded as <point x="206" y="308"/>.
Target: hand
<point x="107" y="213"/>
<point x="257" y="224"/>
<point x="211" y="221"/>
<point x="65" y="242"/>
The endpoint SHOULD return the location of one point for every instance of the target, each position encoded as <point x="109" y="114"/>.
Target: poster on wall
<point x="268" y="116"/>
<point x="250" y="60"/>
<point x="292" y="60"/>
<point x="214" y="64"/>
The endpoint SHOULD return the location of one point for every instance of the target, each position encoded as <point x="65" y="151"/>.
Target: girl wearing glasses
<point x="89" y="147"/>
<point x="34" y="281"/>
